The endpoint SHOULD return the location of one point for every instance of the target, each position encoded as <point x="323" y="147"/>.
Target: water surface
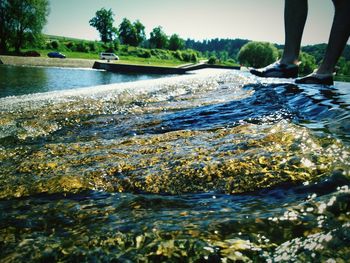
<point x="15" y="80"/>
<point x="213" y="167"/>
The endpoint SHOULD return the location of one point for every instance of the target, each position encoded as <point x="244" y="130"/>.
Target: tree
<point x="176" y="43"/>
<point x="308" y="63"/>
<point x="21" y="21"/>
<point x="343" y="67"/>
<point x="231" y="46"/>
<point x="5" y="28"/>
<point x="257" y="54"/>
<point x="140" y="30"/>
<point x="158" y="38"/>
<point x="131" y="34"/>
<point x="127" y="32"/>
<point x="103" y="22"/>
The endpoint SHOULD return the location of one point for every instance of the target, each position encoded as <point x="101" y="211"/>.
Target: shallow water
<point x="209" y="167"/>
<point x="15" y="80"/>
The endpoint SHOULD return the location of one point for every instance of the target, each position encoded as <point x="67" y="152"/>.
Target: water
<point x="16" y="80"/>
<point x="212" y="167"/>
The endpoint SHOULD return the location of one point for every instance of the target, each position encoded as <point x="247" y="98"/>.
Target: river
<point x="218" y="166"/>
<point x="15" y="80"/>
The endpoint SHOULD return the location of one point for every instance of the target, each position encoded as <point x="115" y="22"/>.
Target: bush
<point x="189" y="56"/>
<point x="82" y="47"/>
<point x="308" y="63"/>
<point x="343" y="67"/>
<point x="124" y="49"/>
<point x="161" y="54"/>
<point x="194" y="57"/>
<point x="116" y="44"/>
<point x="70" y="46"/>
<point x="143" y="53"/>
<point x="92" y="46"/>
<point x="212" y="60"/>
<point x="231" y="61"/>
<point x="178" y="55"/>
<point x="55" y="44"/>
<point x="257" y="54"/>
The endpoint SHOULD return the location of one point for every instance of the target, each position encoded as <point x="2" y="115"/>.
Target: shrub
<point x="70" y="46"/>
<point x="257" y="54"/>
<point x="189" y="56"/>
<point x="186" y="56"/>
<point x="231" y="61"/>
<point x="82" y="47"/>
<point x="194" y="57"/>
<point x="308" y="63"/>
<point x="212" y="60"/>
<point x="144" y="53"/>
<point x="177" y="54"/>
<point x="124" y="49"/>
<point x="116" y="44"/>
<point x="92" y="46"/>
<point x="55" y="44"/>
<point x="161" y="54"/>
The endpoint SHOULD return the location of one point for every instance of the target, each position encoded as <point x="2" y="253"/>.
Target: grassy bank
<point x="85" y="49"/>
<point x="124" y="59"/>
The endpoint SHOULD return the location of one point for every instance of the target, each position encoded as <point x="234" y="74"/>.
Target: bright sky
<point x="260" y="20"/>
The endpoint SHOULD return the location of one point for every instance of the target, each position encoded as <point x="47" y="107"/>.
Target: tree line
<point x="21" y="23"/>
<point x="254" y="54"/>
<point x="133" y="33"/>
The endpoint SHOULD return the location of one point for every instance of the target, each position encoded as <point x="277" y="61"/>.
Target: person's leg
<point x="295" y="13"/>
<point x="339" y="35"/>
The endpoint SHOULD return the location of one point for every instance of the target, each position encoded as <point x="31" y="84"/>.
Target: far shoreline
<point x="83" y="63"/>
<point x="46" y="62"/>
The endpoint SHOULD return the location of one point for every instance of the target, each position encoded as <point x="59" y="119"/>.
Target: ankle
<point x="324" y="72"/>
<point x="288" y="61"/>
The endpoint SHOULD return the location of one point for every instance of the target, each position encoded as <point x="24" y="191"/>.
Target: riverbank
<point x="114" y="67"/>
<point x="46" y="62"/>
<point x="74" y="62"/>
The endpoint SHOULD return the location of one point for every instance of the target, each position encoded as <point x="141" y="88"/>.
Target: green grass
<point x="343" y="78"/>
<point x="127" y="54"/>
<point x="123" y="59"/>
<point x="149" y="61"/>
<point x="226" y="63"/>
<point x="69" y="54"/>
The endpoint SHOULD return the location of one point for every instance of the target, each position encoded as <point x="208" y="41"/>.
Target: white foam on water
<point x="109" y="90"/>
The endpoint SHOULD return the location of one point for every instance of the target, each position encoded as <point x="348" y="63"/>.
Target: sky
<point x="259" y="20"/>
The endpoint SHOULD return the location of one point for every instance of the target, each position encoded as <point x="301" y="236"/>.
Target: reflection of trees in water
<point x="104" y="77"/>
<point x="22" y="80"/>
<point x="25" y="80"/>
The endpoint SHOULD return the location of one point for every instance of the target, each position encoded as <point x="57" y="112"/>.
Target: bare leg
<point x="295" y="13"/>
<point x="338" y="37"/>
